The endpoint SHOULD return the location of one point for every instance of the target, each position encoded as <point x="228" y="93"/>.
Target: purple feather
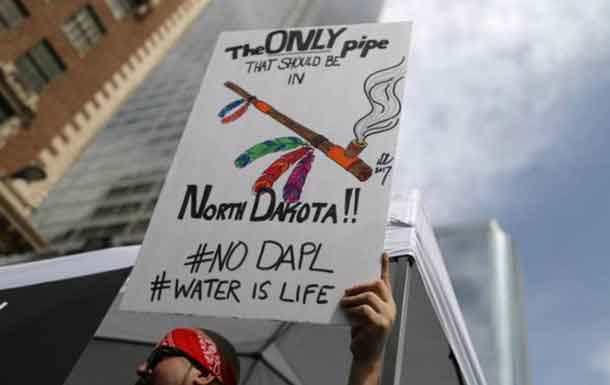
<point x="296" y="180"/>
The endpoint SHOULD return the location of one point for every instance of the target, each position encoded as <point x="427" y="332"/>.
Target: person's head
<point x="187" y="356"/>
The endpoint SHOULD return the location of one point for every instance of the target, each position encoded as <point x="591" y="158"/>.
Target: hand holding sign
<point x="371" y="309"/>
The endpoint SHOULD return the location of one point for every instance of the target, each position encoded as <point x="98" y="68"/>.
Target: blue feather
<point x="229" y="107"/>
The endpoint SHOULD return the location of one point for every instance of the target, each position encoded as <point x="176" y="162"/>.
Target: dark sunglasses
<point x="162" y="352"/>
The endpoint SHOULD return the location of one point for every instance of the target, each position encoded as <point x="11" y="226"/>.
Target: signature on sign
<point x="384" y="164"/>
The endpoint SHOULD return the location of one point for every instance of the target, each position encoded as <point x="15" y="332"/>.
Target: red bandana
<point x="202" y="349"/>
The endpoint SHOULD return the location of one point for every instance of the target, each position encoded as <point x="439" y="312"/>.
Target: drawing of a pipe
<point x="353" y="164"/>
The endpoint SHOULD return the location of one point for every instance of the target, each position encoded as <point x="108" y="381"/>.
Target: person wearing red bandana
<point x="188" y="356"/>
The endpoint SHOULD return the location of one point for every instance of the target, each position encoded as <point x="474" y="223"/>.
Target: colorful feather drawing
<point x="296" y="181"/>
<point x="279" y="167"/>
<point x="267" y="147"/>
<point x="226" y="109"/>
<point x="236" y="115"/>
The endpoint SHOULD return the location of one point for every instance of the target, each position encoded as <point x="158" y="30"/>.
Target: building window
<point x="83" y="29"/>
<point x="39" y="66"/>
<point x="151" y="204"/>
<point x="120" y="8"/>
<point x="11" y="13"/>
<point x="143" y="188"/>
<point x="6" y="111"/>
<point x="105" y="211"/>
<point x="140" y="227"/>
<point x="117" y="192"/>
<point x="96" y="244"/>
<point x="63" y="237"/>
<point x="102" y="231"/>
<point x="124" y="209"/>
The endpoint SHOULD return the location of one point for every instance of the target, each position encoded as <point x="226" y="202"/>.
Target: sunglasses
<point x="162" y="352"/>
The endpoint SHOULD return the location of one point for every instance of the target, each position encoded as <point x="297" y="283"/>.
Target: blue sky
<point x="507" y="117"/>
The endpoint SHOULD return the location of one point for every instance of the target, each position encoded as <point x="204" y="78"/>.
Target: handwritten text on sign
<point x="270" y="256"/>
<point x="265" y="208"/>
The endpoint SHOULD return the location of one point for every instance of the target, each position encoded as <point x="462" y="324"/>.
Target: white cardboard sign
<point x="278" y="194"/>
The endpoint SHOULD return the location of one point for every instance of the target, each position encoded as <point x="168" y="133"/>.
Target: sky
<point x="507" y="117"/>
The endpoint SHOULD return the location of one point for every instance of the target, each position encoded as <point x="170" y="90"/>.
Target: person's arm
<point x="371" y="310"/>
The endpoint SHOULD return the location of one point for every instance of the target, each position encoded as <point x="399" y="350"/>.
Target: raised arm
<point x="371" y="309"/>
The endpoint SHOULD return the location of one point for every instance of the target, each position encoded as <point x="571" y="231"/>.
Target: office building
<point x="65" y="68"/>
<point x="487" y="280"/>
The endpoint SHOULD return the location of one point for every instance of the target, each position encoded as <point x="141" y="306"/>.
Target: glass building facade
<point x="487" y="281"/>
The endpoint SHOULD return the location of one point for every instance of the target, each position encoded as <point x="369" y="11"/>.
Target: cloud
<point x="490" y="87"/>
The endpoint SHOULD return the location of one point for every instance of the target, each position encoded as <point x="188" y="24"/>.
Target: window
<point x="83" y="29"/>
<point x="151" y="204"/>
<point x="121" y="191"/>
<point x="63" y="237"/>
<point x="105" y="211"/>
<point x="102" y="231"/>
<point x="91" y="231"/>
<point x="97" y="243"/>
<point x="11" y="13"/>
<point x="117" y="192"/>
<point x="140" y="227"/>
<point x="142" y="188"/>
<point x="120" y="8"/>
<point x="6" y="111"/>
<point x="39" y="66"/>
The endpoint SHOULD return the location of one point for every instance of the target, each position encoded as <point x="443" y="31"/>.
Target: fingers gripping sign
<point x="371" y="310"/>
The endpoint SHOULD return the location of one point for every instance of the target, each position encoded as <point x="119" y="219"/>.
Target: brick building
<point x="65" y="68"/>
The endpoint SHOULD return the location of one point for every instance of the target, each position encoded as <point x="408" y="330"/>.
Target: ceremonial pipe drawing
<point x="353" y="164"/>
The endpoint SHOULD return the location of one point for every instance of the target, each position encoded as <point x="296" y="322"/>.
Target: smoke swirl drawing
<point x="381" y="89"/>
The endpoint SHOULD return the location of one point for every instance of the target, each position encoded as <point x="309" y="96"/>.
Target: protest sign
<point x="278" y="194"/>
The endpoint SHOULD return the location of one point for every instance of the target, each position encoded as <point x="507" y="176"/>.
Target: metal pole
<point x="394" y="349"/>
